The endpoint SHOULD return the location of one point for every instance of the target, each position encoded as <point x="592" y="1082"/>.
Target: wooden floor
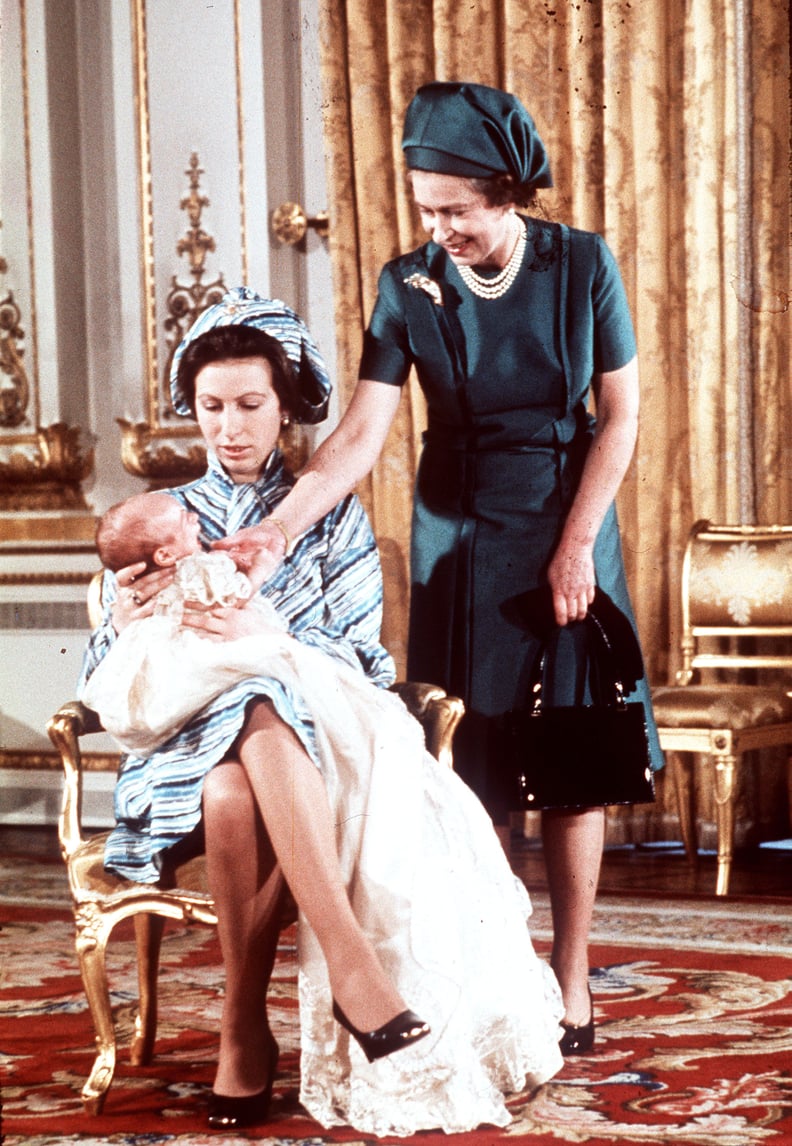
<point x="659" y="869"/>
<point x="663" y="869"/>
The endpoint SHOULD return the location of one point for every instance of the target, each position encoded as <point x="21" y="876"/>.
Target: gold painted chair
<point x="736" y="618"/>
<point x="101" y="900"/>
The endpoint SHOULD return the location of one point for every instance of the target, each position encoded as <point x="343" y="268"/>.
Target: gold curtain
<point x="668" y="129"/>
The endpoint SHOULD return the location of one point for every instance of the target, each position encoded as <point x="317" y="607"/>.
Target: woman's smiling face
<point x="462" y="221"/>
<point x="239" y="414"/>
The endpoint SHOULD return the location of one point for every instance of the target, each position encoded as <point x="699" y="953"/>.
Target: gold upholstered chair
<point x="736" y="619"/>
<point x="101" y="900"/>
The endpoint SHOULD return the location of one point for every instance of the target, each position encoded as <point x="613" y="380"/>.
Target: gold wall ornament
<point x="186" y="301"/>
<point x="145" y="454"/>
<point x="149" y="449"/>
<point x="171" y="455"/>
<point x="47" y="475"/>
<point x="14" y="384"/>
<point x="196" y="243"/>
<point x="290" y="223"/>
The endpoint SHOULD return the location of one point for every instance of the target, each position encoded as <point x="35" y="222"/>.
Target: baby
<point x="158" y="529"/>
<point x="158" y="673"/>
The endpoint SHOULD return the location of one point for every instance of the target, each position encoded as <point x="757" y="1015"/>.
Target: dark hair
<point x="500" y="189"/>
<point x="238" y="341"/>
<point x="504" y="188"/>
<point x="127" y="534"/>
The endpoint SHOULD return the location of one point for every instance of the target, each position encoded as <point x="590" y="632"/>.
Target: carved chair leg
<point x="148" y="937"/>
<point x="725" y="793"/>
<point x="91" y="944"/>
<point x="683" y="774"/>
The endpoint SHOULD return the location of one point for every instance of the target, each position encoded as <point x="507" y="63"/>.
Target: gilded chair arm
<point x="437" y="712"/>
<point x="70" y="722"/>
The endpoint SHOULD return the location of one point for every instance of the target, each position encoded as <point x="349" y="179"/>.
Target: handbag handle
<point x="607" y="666"/>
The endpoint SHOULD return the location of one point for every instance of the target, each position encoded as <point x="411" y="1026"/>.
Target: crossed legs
<point x="268" y="823"/>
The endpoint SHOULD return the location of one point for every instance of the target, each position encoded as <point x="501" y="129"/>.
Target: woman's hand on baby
<point x="137" y="593"/>
<point x="228" y="623"/>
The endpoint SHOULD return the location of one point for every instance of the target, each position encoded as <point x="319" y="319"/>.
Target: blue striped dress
<point x="329" y="591"/>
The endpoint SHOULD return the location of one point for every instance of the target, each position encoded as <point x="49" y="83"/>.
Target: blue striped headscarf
<point x="244" y="307"/>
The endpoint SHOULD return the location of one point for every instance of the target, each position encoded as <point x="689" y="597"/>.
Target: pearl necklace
<point x="496" y="287"/>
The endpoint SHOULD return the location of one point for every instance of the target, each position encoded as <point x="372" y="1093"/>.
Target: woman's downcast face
<point x="461" y="220"/>
<point x="239" y="414"/>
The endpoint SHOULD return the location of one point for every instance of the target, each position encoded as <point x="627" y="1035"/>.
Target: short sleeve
<point x="386" y="350"/>
<point x="614" y="337"/>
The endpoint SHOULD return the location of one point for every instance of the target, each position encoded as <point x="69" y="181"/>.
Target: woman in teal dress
<point x="510" y="322"/>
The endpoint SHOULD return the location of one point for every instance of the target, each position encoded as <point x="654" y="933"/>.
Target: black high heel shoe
<point x="578" y="1040"/>
<point x="226" y="1113"/>
<point x="400" y="1032"/>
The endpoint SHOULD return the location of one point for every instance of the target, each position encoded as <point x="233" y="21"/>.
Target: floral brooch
<point x="428" y="286"/>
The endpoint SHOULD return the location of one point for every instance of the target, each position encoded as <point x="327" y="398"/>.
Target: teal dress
<point x="506" y="383"/>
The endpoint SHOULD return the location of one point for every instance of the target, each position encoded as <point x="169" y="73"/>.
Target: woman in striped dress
<point x="318" y="778"/>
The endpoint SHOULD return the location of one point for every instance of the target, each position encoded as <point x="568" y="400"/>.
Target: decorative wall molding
<point x="151" y="452"/>
<point x="42" y="467"/>
<point x="43" y="470"/>
<point x="46" y="471"/>
<point x="186" y="301"/>
<point x="162" y="447"/>
<point x="14" y="386"/>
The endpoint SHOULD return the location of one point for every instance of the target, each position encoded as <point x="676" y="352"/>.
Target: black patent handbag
<point x="586" y="755"/>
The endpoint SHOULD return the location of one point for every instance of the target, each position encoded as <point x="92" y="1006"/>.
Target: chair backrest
<point x="94" y="599"/>
<point x="736" y="583"/>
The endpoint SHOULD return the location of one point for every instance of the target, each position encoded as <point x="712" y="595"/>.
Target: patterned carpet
<point x="692" y="999"/>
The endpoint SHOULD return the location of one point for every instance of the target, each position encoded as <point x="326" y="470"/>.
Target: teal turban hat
<point x="473" y="131"/>
<point x="243" y="306"/>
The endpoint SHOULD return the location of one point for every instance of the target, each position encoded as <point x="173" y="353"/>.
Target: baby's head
<point x="150" y="527"/>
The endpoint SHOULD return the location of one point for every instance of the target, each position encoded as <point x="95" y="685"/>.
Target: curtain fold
<point x="638" y="106"/>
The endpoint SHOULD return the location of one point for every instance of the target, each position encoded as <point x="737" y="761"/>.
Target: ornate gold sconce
<point x="290" y="223"/>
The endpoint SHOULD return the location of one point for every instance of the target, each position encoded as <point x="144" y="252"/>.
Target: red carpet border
<point x="692" y="1000"/>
